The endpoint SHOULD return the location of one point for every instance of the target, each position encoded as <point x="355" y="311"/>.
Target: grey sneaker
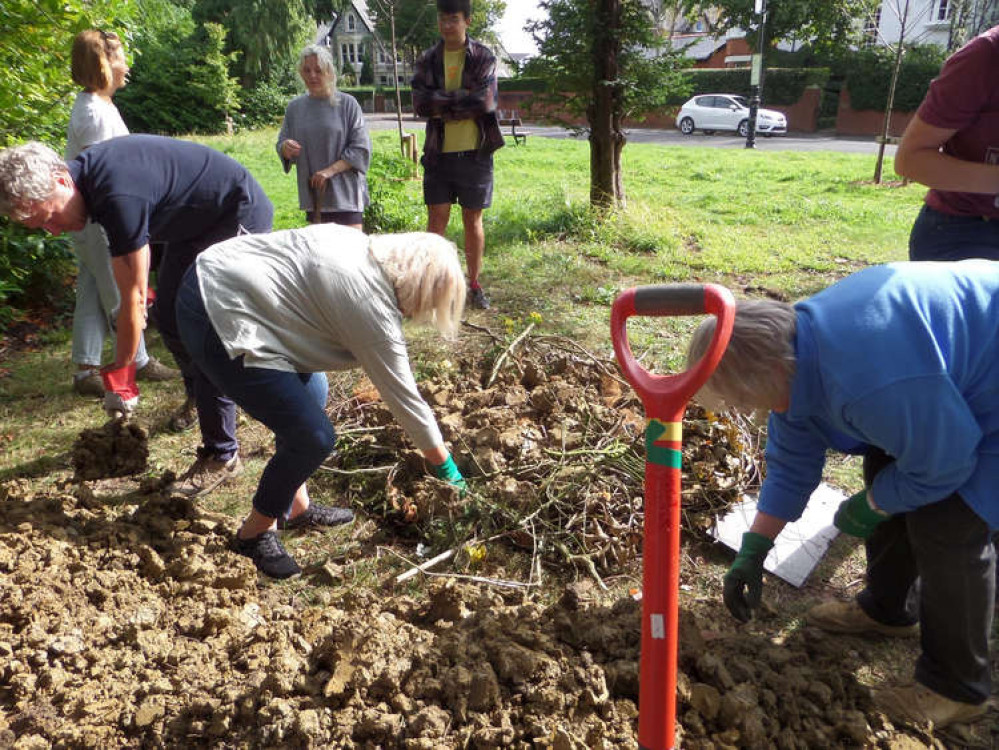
<point x="848" y="617"/>
<point x="918" y="704"/>
<point x="155" y="371"/>
<point x="478" y="299"/>
<point x="318" y="515"/>
<point x="185" y="417"/>
<point x="268" y="554"/>
<point x="205" y="474"/>
<point x="89" y="385"/>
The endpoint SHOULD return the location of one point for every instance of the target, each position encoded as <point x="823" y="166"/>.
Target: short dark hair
<point x="455" y="6"/>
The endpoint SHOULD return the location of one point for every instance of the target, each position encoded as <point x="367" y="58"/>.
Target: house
<point x="946" y="23"/>
<point x="352" y="39"/>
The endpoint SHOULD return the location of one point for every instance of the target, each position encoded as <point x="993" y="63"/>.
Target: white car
<point x="711" y="112"/>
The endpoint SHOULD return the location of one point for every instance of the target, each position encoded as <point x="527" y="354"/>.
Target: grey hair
<point x="326" y="64"/>
<point x="756" y="370"/>
<point x="427" y="277"/>
<point x="27" y="176"/>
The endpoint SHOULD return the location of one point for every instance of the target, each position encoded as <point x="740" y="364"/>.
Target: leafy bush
<point x="869" y="71"/>
<point x="180" y="84"/>
<point x="392" y="208"/>
<point x="780" y="85"/>
<point x="263" y="105"/>
<point x="34" y="269"/>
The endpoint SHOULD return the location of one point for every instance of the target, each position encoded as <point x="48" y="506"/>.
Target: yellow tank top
<point x="459" y="135"/>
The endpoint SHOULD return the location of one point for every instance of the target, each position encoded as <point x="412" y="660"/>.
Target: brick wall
<point x="850" y="121"/>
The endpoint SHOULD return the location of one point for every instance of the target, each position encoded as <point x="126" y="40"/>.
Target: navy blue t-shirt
<point x="148" y="188"/>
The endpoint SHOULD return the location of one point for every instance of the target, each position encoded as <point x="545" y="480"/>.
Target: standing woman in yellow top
<point x="454" y="87"/>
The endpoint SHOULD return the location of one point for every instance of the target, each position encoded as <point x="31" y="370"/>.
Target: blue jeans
<point x="291" y="404"/>
<point x="940" y="236"/>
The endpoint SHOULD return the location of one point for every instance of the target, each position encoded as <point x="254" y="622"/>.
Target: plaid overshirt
<point x="475" y="99"/>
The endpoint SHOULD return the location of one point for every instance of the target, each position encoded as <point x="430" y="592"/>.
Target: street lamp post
<point x="756" y="74"/>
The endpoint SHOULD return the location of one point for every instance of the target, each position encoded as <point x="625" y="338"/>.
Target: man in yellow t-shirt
<point x="454" y="86"/>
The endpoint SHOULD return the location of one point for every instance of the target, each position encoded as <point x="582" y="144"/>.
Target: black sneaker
<point x="318" y="515"/>
<point x="477" y="298"/>
<point x="268" y="554"/>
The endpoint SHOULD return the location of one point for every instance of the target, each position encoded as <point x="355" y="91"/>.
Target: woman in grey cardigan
<point x="325" y="135"/>
<point x="265" y="316"/>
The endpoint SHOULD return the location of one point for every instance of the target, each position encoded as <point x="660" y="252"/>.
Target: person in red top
<point x="952" y="146"/>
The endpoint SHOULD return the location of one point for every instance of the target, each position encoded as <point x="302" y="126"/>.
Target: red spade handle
<point x="665" y="398"/>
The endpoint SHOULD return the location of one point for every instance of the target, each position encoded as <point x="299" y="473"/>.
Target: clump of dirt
<point x="119" y="448"/>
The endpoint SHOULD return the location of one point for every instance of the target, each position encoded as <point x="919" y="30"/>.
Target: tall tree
<point x="416" y="22"/>
<point x="604" y="62"/>
<point x="266" y="33"/>
<point x="35" y="45"/>
<point x="820" y="22"/>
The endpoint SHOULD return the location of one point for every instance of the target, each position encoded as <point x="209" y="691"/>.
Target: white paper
<point x="801" y="544"/>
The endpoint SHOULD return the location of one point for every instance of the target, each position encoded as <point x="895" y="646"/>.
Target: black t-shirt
<point x="148" y="188"/>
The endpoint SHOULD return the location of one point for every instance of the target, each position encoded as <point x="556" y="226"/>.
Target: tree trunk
<point x="886" y="123"/>
<point x="604" y="113"/>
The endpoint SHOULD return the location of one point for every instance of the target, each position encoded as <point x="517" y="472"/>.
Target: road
<point x="672" y="137"/>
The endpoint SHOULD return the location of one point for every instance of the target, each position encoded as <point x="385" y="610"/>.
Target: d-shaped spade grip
<point x="666" y="396"/>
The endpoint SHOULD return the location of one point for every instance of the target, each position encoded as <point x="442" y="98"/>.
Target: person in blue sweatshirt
<point x="900" y="364"/>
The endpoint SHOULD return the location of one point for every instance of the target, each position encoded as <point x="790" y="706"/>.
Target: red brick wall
<point x="737" y="47"/>
<point x="850" y="121"/>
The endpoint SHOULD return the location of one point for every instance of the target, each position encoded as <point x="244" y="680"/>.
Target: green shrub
<point x="34" y="270"/>
<point x="180" y="83"/>
<point x="263" y="105"/>
<point x="780" y="85"/>
<point x="392" y="208"/>
<point x="869" y="71"/>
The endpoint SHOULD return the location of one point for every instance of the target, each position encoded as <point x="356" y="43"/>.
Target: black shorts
<point x="462" y="177"/>
<point x="344" y="218"/>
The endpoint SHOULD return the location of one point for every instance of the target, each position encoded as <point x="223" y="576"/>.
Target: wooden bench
<point x="512" y="119"/>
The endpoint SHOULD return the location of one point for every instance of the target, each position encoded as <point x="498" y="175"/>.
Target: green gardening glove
<point x="744" y="580"/>
<point x="856" y="517"/>
<point x="448" y="472"/>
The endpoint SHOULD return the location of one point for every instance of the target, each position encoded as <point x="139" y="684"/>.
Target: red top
<point x="965" y="96"/>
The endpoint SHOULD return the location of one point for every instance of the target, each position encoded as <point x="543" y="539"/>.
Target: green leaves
<point x="37" y="92"/>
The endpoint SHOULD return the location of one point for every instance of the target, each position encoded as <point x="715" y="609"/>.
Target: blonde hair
<point x="427" y="277"/>
<point x="756" y="370"/>
<point x="27" y="176"/>
<point x="324" y="59"/>
<point x="93" y="51"/>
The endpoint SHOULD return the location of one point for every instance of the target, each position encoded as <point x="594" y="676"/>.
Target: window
<point x="383" y="80"/>
<point x="353" y="53"/>
<point x="381" y="56"/>
<point x="943" y="10"/>
<point x="705" y="101"/>
<point x="350" y="23"/>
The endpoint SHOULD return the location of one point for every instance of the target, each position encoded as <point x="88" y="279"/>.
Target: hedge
<point x="869" y="71"/>
<point x="780" y="85"/>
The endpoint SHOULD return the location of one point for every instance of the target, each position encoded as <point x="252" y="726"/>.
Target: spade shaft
<point x="665" y="399"/>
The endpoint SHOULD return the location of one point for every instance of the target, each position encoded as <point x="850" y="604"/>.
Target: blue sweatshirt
<point x="904" y="357"/>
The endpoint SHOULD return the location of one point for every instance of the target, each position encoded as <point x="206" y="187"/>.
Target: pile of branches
<point x="551" y="439"/>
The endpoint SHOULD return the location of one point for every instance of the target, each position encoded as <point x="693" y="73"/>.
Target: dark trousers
<point x="216" y="412"/>
<point x="937" y="565"/>
<point x="940" y="236"/>
<point x="291" y="404"/>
